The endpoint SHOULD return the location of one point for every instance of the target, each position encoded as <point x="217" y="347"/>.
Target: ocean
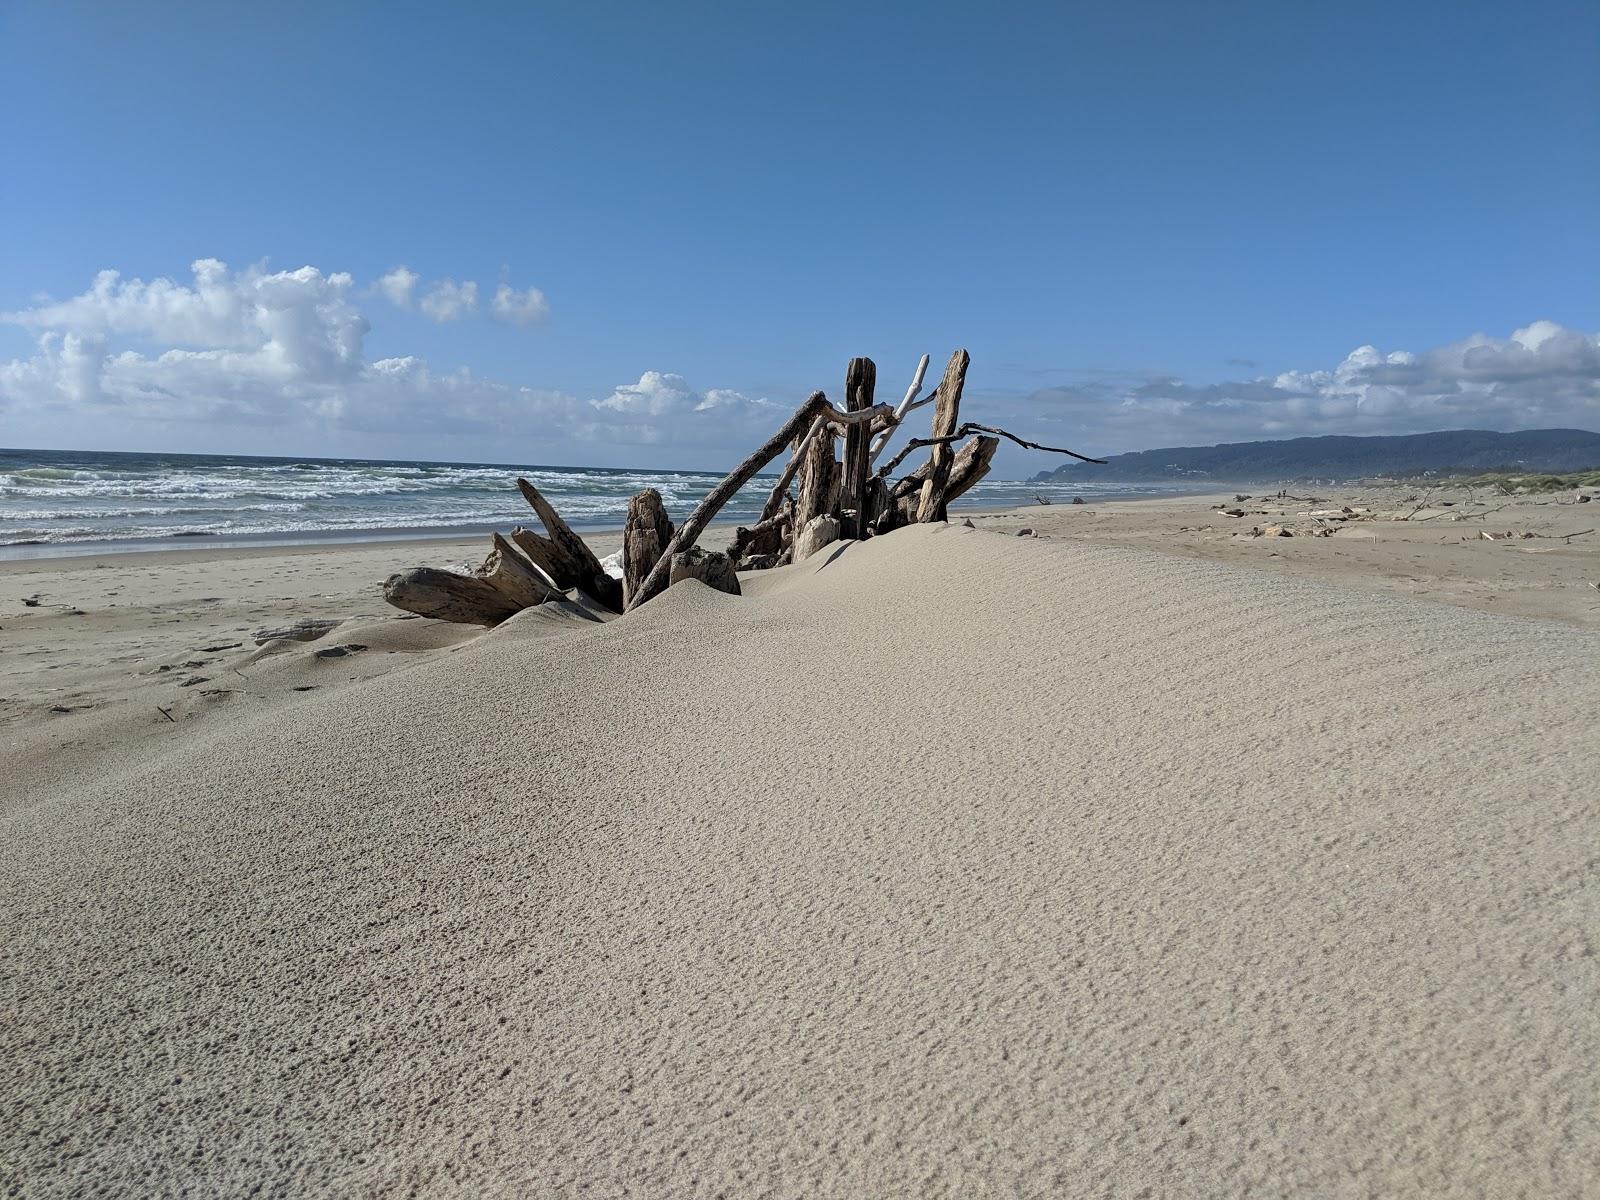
<point x="61" y="501"/>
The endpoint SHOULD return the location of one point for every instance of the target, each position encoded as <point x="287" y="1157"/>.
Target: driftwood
<point x="644" y="537"/>
<point x="833" y="499"/>
<point x="860" y="380"/>
<point x="710" y="567"/>
<point x="446" y="596"/>
<point x="946" y="410"/>
<point x="689" y="532"/>
<point x="970" y="464"/>
<point x="506" y="583"/>
<point x="591" y="576"/>
<point x="819" y="481"/>
<point x="763" y="540"/>
<point x="905" y="406"/>
<point x="309" y="629"/>
<point x="818" y="532"/>
<point x="780" y="490"/>
<point x="563" y="570"/>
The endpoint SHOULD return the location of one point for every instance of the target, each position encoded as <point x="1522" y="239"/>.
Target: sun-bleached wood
<point x="908" y="403"/>
<point x="946" y="412"/>
<point x="644" y="537"/>
<point x="689" y="532"/>
<point x="592" y="577"/>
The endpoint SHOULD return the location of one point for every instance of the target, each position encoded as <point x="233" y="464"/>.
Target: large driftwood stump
<point x="710" y="567"/>
<point x="592" y="577"/>
<point x="819" y="475"/>
<point x="860" y="380"/>
<point x="644" y="537"/>
<point x="946" y="412"/>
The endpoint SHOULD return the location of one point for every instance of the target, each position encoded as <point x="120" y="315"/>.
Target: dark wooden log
<point x="689" y="532"/>
<point x="946" y="414"/>
<point x="592" y="577"/>
<point x="644" y="537"/>
<point x="710" y="567"/>
<point x="861" y="379"/>
<point x="761" y="540"/>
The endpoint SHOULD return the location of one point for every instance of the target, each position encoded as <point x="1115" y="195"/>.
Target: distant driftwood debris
<point x="830" y="489"/>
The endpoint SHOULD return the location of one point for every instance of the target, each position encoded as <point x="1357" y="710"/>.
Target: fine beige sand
<point x="948" y="864"/>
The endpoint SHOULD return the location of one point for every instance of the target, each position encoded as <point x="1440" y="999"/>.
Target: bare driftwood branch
<point x="689" y="532"/>
<point x="781" y="488"/>
<point x="970" y="464"/>
<point x="592" y="577"/>
<point x="905" y="406"/>
<point x="945" y="413"/>
<point x="968" y="429"/>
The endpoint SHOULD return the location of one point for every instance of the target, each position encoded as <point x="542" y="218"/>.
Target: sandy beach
<point x="1140" y="856"/>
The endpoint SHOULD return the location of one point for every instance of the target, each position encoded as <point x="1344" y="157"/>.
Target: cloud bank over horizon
<point x="279" y="357"/>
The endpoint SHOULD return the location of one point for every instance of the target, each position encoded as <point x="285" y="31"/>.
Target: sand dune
<point x="946" y="864"/>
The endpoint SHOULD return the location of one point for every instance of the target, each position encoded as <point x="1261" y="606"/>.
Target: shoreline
<point x="43" y="550"/>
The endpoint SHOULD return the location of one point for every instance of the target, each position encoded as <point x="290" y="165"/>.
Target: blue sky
<point x="1150" y="224"/>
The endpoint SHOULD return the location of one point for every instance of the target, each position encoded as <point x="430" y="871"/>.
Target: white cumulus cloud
<point x="260" y="351"/>
<point x="527" y="307"/>
<point x="398" y="285"/>
<point x="448" y="300"/>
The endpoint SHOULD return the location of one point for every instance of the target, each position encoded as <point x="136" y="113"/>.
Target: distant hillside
<point x="1349" y="457"/>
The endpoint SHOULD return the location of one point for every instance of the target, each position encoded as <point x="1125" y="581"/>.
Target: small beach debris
<point x="308" y="629"/>
<point x="1233" y="512"/>
<point x="223" y="646"/>
<point x="340" y="651"/>
<point x="167" y="714"/>
<point x="194" y="679"/>
<point x="1078" y="500"/>
<point x="1027" y="531"/>
<point x="1046" y="499"/>
<point x="30" y="601"/>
